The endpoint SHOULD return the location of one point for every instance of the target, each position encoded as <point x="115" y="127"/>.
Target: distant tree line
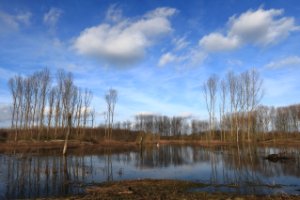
<point x="264" y="120"/>
<point x="40" y="104"/>
<point x="161" y="125"/>
<point x="234" y="113"/>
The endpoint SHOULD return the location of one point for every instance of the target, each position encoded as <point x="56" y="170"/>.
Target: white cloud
<point x="217" y="42"/>
<point x="9" y="22"/>
<point x="260" y="27"/>
<point x="161" y="12"/>
<point x="180" y="43"/>
<point x="255" y="27"/>
<point x="292" y="61"/>
<point x="113" y="13"/>
<point x="52" y="16"/>
<point x="192" y="57"/>
<point x="166" y="58"/>
<point x="125" y="42"/>
<point x="146" y="113"/>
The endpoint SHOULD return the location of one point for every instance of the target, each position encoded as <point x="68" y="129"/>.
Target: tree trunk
<point x="68" y="133"/>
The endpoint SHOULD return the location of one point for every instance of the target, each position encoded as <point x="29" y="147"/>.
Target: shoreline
<point x="162" y="189"/>
<point x="27" y="145"/>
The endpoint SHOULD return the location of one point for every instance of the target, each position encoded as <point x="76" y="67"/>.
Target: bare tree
<point x="78" y="111"/>
<point x="51" y="100"/>
<point x="35" y="87"/>
<point x="209" y="91"/>
<point x="12" y="83"/>
<point x="111" y="99"/>
<point x="34" y="94"/>
<point x="87" y="101"/>
<point x="45" y="84"/>
<point x="223" y="92"/>
<point x="233" y="84"/>
<point x="255" y="93"/>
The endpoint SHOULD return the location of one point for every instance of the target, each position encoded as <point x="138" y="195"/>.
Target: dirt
<point x="74" y="146"/>
<point x="161" y="189"/>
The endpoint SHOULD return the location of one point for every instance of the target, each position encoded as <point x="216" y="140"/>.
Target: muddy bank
<point x="161" y="189"/>
<point x="74" y="146"/>
<point x="24" y="146"/>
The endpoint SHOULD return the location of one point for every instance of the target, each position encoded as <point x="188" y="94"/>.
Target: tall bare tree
<point x="51" y="100"/>
<point x="12" y="83"/>
<point x="223" y="92"/>
<point x="209" y="89"/>
<point x="87" y="101"/>
<point x="44" y="88"/>
<point x="233" y="86"/>
<point x="111" y="99"/>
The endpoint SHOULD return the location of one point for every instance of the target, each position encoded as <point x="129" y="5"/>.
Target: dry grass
<point x="162" y="189"/>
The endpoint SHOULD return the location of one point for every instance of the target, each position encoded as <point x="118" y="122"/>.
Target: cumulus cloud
<point x="126" y="41"/>
<point x="217" y="42"/>
<point x="260" y="27"/>
<point x="292" y="61"/>
<point x="12" y="22"/>
<point x="254" y="27"/>
<point x="52" y="16"/>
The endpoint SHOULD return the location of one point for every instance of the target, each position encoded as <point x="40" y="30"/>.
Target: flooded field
<point x="242" y="170"/>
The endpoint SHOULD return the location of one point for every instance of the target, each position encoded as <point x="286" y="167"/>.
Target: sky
<point x="155" y="53"/>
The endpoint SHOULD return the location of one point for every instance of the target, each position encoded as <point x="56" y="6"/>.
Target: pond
<point x="237" y="170"/>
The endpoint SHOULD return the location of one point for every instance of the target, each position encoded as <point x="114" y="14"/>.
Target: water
<point x="236" y="170"/>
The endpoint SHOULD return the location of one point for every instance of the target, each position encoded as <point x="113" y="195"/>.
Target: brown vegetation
<point x="162" y="189"/>
<point x="44" y="111"/>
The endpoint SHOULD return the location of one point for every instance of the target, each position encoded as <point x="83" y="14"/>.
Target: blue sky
<point x="155" y="53"/>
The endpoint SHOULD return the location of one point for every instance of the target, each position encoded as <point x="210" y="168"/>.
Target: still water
<point x="236" y="170"/>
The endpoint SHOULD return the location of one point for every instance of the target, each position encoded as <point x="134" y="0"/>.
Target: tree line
<point x="239" y="95"/>
<point x="41" y="103"/>
<point x="266" y="122"/>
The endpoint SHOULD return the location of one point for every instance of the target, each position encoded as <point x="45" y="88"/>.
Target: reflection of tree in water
<point x="235" y="166"/>
<point x="41" y="176"/>
<point x="246" y="166"/>
<point x="167" y="155"/>
<point x="250" y="159"/>
<point x="47" y="175"/>
<point x="108" y="169"/>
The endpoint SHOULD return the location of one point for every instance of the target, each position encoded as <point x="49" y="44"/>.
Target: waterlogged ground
<point x="240" y="170"/>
